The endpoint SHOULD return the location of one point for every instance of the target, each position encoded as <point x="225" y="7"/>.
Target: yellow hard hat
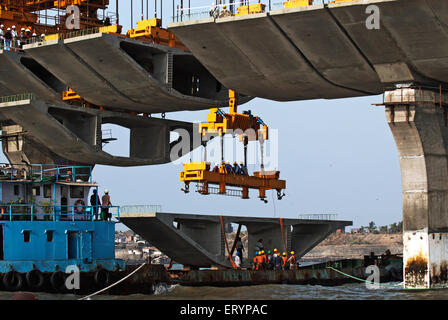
<point x="275" y="250"/>
<point x="292" y="252"/>
<point x="284" y="253"/>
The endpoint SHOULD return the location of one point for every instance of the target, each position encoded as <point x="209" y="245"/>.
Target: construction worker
<point x="229" y="168"/>
<point x="270" y="264"/>
<point x="239" y="248"/>
<point x="224" y="12"/>
<point x="8" y="39"/>
<point x="106" y="203"/>
<point x="285" y="264"/>
<point x="222" y="167"/>
<point x="237" y="260"/>
<point x="215" y="169"/>
<point x="95" y="203"/>
<point x="22" y="38"/>
<point x="264" y="259"/>
<point x="15" y="36"/>
<point x="2" y="36"/>
<point x="277" y="260"/>
<point x="254" y="260"/>
<point x="243" y="168"/>
<point x="259" y="261"/>
<point x="236" y="168"/>
<point x="292" y="261"/>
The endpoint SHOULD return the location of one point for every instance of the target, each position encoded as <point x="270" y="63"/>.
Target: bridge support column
<point x="418" y="120"/>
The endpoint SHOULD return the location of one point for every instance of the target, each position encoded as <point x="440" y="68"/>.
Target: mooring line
<point x="359" y="279"/>
<point x="114" y="284"/>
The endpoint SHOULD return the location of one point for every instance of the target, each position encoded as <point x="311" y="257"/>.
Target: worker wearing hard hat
<point x="292" y="261"/>
<point x="2" y="36"/>
<point x="285" y="264"/>
<point x="277" y="260"/>
<point x="106" y="204"/>
<point x="8" y="39"/>
<point x="243" y="169"/>
<point x="15" y="37"/>
<point x="22" y="38"/>
<point x="254" y="260"/>
<point x="236" y="168"/>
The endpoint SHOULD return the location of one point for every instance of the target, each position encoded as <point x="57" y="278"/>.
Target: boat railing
<point x="45" y="173"/>
<point x="35" y="212"/>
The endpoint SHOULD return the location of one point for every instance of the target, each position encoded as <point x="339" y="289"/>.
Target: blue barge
<point x="47" y="228"/>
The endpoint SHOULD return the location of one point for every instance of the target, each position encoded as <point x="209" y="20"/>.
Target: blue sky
<point x="338" y="156"/>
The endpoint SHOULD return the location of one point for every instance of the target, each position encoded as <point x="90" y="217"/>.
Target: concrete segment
<point x="74" y="133"/>
<point x="412" y="34"/>
<point x="259" y="61"/>
<point x="197" y="240"/>
<point x="17" y="79"/>
<point x="123" y="73"/>
<point x="420" y="129"/>
<point x="323" y="51"/>
<point x="318" y="35"/>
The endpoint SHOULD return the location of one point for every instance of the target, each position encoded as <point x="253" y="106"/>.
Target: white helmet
<point x="34" y="35"/>
<point x="106" y="191"/>
<point x="9" y="29"/>
<point x="13" y="27"/>
<point x="23" y="29"/>
<point x="2" y="26"/>
<point x="27" y="30"/>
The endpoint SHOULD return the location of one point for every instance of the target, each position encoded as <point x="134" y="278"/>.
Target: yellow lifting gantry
<point x="249" y="128"/>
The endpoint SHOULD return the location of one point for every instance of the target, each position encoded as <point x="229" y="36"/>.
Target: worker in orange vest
<point x="259" y="261"/>
<point x="254" y="261"/>
<point x="264" y="260"/>
<point x="285" y="264"/>
<point x="292" y="261"/>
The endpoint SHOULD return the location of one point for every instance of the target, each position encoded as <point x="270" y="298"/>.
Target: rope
<point x="283" y="236"/>
<point x="114" y="284"/>
<point x="225" y="240"/>
<point x="362" y="280"/>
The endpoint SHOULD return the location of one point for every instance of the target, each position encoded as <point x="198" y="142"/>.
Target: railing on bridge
<point x="320" y="216"/>
<point x="141" y="208"/>
<point x="238" y="7"/>
<point x="17" y="97"/>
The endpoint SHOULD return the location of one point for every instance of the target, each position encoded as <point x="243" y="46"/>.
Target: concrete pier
<point x="197" y="241"/>
<point x="418" y="120"/>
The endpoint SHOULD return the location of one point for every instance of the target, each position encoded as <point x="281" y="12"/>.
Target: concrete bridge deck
<point x="17" y="77"/>
<point x="323" y="51"/>
<point x="75" y="134"/>
<point x="117" y="72"/>
<point x="197" y="240"/>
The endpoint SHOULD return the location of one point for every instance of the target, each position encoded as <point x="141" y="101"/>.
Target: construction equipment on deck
<point x="249" y="128"/>
<point x="151" y="30"/>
